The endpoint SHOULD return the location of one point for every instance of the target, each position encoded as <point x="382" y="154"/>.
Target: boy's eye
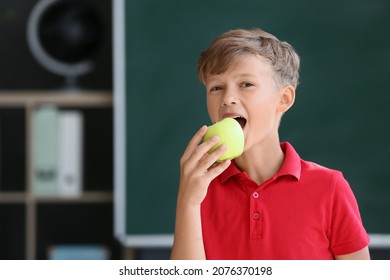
<point x="216" y="88"/>
<point x="246" y="84"/>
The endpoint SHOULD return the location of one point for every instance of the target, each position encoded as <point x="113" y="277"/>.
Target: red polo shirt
<point x="305" y="211"/>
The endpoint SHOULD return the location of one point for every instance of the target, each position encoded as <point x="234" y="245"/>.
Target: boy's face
<point x="247" y="90"/>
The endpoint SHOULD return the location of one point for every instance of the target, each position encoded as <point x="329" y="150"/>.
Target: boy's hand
<point x="198" y="168"/>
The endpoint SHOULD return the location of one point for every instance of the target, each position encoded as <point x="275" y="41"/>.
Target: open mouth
<point x="241" y="121"/>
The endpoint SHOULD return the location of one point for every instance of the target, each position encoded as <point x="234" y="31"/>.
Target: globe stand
<point x="71" y="83"/>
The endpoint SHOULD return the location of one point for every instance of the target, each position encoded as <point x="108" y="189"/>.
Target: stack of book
<point x="78" y="252"/>
<point x="57" y="143"/>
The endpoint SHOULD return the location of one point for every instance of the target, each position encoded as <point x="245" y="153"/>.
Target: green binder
<point x="45" y="150"/>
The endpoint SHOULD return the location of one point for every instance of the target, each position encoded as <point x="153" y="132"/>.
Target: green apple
<point x="230" y="134"/>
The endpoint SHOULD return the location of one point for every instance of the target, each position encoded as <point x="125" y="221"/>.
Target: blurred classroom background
<point x="73" y="186"/>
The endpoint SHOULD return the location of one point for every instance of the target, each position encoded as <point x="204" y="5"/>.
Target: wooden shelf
<point x="86" y="197"/>
<point x="60" y="98"/>
<point x="12" y="197"/>
<point x="29" y="101"/>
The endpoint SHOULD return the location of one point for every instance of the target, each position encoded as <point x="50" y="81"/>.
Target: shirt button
<point x="256" y="216"/>
<point x="255" y="195"/>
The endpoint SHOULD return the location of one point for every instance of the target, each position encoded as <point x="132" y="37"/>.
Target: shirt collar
<point x="292" y="162"/>
<point x="291" y="165"/>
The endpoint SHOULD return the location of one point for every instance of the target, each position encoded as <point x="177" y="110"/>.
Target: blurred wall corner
<point x="19" y="70"/>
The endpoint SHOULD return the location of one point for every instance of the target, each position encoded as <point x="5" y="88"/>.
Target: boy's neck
<point x="262" y="161"/>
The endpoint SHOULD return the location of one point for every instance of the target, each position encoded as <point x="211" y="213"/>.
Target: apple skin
<point x="230" y="134"/>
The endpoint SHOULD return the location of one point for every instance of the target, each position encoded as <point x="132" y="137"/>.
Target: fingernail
<point x="215" y="138"/>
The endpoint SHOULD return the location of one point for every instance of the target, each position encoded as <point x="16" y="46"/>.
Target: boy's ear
<point x="287" y="98"/>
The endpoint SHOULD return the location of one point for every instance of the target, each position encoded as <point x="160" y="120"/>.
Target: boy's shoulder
<point x="318" y="172"/>
<point x="303" y="168"/>
<point x="316" y="167"/>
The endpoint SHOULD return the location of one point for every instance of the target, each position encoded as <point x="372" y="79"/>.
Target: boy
<point x="267" y="203"/>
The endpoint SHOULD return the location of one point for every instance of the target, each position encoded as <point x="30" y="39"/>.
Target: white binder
<point x="70" y="153"/>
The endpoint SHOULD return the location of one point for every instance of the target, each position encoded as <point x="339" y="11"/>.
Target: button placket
<point x="255" y="215"/>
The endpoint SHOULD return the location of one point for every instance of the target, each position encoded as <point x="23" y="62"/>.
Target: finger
<point x="194" y="142"/>
<point x="217" y="169"/>
<point x="204" y="156"/>
<point x="204" y="148"/>
<point x="213" y="157"/>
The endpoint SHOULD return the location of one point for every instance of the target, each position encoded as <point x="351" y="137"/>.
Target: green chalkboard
<point x="340" y="118"/>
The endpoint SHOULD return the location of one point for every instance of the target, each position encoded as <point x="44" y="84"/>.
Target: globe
<point x="69" y="31"/>
<point x="63" y="36"/>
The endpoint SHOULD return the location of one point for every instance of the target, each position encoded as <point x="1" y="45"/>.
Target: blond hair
<point x="228" y="47"/>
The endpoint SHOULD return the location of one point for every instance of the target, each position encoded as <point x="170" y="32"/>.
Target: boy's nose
<point x="229" y="98"/>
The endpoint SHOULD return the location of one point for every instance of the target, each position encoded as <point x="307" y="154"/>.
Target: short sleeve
<point x="347" y="231"/>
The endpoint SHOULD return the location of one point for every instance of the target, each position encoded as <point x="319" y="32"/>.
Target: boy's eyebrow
<point x="244" y="75"/>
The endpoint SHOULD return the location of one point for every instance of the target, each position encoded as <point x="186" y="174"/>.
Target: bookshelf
<point x="21" y="199"/>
